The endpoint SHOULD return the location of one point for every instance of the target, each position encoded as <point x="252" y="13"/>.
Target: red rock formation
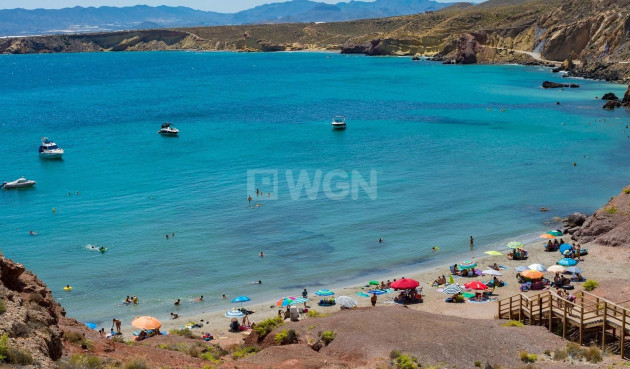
<point x="610" y="225"/>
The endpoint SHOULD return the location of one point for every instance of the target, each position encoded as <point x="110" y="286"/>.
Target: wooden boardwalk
<point x="589" y="313"/>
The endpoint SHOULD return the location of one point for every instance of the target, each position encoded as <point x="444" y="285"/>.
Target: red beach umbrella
<point x="405" y="284"/>
<point x="475" y="285"/>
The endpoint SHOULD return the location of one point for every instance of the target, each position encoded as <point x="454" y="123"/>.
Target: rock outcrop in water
<point x="610" y="225"/>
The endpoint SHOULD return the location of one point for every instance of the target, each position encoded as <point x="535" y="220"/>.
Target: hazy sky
<point x="224" y="6"/>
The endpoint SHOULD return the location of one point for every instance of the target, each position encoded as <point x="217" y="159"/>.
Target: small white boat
<point x="49" y="150"/>
<point x="339" y="122"/>
<point x="168" y="130"/>
<point x="19" y="183"/>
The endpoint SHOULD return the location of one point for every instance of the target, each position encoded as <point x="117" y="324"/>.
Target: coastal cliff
<point x="593" y="34"/>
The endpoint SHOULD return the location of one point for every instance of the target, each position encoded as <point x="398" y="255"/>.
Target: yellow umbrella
<point x="146" y="322"/>
<point x="493" y="253"/>
<point x="547" y="236"/>
<point x="531" y="274"/>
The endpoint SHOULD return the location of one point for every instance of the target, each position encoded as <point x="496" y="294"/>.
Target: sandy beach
<point x="601" y="263"/>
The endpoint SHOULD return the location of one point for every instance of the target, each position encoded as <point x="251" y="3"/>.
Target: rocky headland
<point x="584" y="38"/>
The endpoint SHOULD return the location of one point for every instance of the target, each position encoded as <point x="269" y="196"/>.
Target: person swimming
<point x="177" y="302"/>
<point x="261" y="254"/>
<point x="32" y="233"/>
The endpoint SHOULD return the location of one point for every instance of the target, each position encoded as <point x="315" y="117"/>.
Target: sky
<point x="222" y="6"/>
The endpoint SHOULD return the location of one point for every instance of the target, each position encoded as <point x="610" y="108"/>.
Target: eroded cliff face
<point x="29" y="316"/>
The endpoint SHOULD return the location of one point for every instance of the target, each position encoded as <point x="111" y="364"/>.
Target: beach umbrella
<point x="555" y="233"/>
<point x="324" y="293"/>
<point x="547" y="236"/>
<point x="450" y="279"/>
<point x="233" y="313"/>
<point x="467" y="264"/>
<point x="493" y="253"/>
<point x="475" y="285"/>
<point x="515" y="245"/>
<point x="405" y="284"/>
<point x="299" y="300"/>
<point x="346" y="301"/>
<point x="240" y="299"/>
<point x="374" y="283"/>
<point x="571" y="269"/>
<point x="521" y="268"/>
<point x="491" y="272"/>
<point x="377" y="292"/>
<point x="452" y="289"/>
<point x="565" y="248"/>
<point x="567" y="262"/>
<point x="531" y="274"/>
<point x="538" y="267"/>
<point x="91" y="325"/>
<point x="556" y="269"/>
<point x="146" y="322"/>
<point x="285" y="301"/>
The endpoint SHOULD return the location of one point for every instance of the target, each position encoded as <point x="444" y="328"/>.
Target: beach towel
<point x="482" y="301"/>
<point x="363" y="294"/>
<point x="503" y="267"/>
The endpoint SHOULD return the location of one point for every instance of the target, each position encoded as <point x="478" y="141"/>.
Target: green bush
<point x="590" y="285"/>
<point x="315" y="314"/>
<point x="626" y="191"/>
<point x="559" y="354"/>
<point x="3" y="307"/>
<point x="402" y="361"/>
<point x="285" y="337"/>
<point x="527" y="358"/>
<point x="243" y="351"/>
<point x="592" y="354"/>
<point x="328" y="336"/>
<point x="513" y="323"/>
<point x="12" y="355"/>
<point x="136" y="363"/>
<point x="74" y="337"/>
<point x="478" y="364"/>
<point x="281" y="337"/>
<point x="83" y="362"/>
<point x="266" y="326"/>
<point x="184" y="332"/>
<point x="611" y="209"/>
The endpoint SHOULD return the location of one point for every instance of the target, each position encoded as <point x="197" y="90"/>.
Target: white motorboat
<point x="168" y="130"/>
<point x="49" y="150"/>
<point x="19" y="183"/>
<point x="339" y="122"/>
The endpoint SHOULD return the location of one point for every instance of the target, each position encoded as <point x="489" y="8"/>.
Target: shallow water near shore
<point x="455" y="151"/>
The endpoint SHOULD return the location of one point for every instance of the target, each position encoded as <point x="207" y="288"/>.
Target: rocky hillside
<point x="29" y="318"/>
<point x="610" y="225"/>
<point x="593" y="34"/>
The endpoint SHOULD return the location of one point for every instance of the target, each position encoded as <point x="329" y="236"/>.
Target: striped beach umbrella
<point x="233" y="313"/>
<point x="299" y="300"/>
<point x="346" y="301"/>
<point x="285" y="301"/>
<point x="452" y="289"/>
<point x="467" y="264"/>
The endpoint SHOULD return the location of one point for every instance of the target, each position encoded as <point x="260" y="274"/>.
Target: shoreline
<point x="214" y="321"/>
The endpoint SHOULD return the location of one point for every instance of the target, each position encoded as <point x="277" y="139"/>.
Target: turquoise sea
<point x="448" y="163"/>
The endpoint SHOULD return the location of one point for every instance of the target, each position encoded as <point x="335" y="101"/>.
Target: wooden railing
<point x="588" y="311"/>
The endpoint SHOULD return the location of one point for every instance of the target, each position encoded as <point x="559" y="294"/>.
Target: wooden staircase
<point x="589" y="313"/>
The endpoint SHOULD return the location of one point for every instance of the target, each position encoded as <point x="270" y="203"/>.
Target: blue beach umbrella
<point x="240" y="299"/>
<point x="91" y="325"/>
<point x="324" y="292"/>
<point x="565" y="247"/>
<point x="567" y="262"/>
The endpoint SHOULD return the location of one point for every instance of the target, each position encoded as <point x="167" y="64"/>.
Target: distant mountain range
<point x="20" y="22"/>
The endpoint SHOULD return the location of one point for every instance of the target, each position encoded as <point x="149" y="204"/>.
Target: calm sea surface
<point x="429" y="155"/>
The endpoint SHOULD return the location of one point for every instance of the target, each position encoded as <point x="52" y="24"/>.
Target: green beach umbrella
<point x="555" y="233"/>
<point x="515" y="245"/>
<point x="374" y="283"/>
<point x="467" y="264"/>
<point x="493" y="253"/>
<point x="450" y="279"/>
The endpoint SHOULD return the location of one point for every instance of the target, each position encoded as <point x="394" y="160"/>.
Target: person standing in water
<point x="472" y="240"/>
